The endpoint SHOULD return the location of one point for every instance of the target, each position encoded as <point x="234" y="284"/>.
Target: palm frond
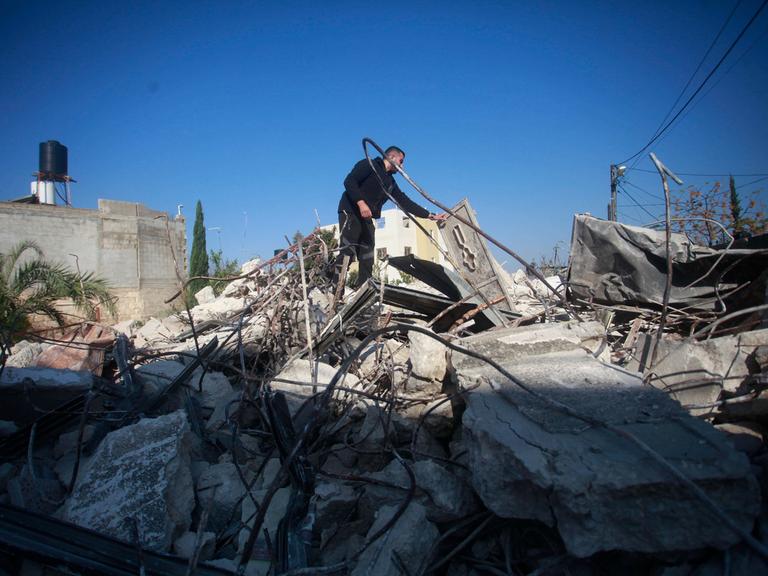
<point x="9" y="261"/>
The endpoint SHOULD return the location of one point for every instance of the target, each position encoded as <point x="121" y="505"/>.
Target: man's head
<point x="393" y="155"/>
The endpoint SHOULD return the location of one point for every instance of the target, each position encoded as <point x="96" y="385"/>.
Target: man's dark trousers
<point x="357" y="242"/>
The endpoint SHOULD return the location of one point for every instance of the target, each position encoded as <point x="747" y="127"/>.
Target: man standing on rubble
<point x="361" y="203"/>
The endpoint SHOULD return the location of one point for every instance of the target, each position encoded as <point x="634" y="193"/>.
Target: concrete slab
<point x="602" y="492"/>
<point x="140" y="472"/>
<point x="695" y="373"/>
<point x="510" y="344"/>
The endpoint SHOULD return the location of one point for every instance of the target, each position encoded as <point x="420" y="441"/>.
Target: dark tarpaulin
<point x="615" y="263"/>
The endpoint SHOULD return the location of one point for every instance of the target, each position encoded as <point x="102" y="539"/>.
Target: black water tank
<point x="53" y="158"/>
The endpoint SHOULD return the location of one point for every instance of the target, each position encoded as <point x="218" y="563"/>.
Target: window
<point x="407" y="251"/>
<point x="406" y="222"/>
<point x="380" y="223"/>
<point x="381" y="253"/>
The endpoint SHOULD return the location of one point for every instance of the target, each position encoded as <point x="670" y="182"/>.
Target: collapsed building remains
<point x="463" y="424"/>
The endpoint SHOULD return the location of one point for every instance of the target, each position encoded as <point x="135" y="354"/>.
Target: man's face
<point x="392" y="159"/>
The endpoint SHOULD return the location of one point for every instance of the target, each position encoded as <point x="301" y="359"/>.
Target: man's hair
<point x="394" y="149"/>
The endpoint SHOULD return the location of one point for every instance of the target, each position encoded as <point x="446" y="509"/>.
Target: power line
<point x="753" y="182"/>
<point x="700" y="174"/>
<point x="624" y="191"/>
<point x="651" y="194"/>
<point x="720" y="78"/>
<point x="701" y="85"/>
<point x="701" y="63"/>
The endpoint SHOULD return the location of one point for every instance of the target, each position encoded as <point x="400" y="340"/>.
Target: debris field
<point x="605" y="420"/>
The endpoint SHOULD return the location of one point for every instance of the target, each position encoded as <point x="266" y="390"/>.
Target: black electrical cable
<point x="701" y="63"/>
<point x="700" y="174"/>
<point x="651" y="194"/>
<point x="624" y="191"/>
<point x="701" y="85"/>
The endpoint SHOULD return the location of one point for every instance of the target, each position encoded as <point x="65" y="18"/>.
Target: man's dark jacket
<point x="361" y="184"/>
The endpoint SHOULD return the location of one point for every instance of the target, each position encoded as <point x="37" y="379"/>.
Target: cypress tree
<point x="198" y="260"/>
<point x="737" y="224"/>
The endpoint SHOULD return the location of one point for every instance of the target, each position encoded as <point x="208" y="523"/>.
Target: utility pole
<point x="616" y="173"/>
<point x="612" y="205"/>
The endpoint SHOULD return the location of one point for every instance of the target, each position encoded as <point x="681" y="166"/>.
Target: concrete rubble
<point x="276" y="431"/>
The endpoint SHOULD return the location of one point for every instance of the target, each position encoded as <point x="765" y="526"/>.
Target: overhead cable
<point x="703" y="83"/>
<point x="632" y="198"/>
<point x="701" y="63"/>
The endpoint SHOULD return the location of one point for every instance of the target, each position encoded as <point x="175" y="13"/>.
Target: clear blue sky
<point x="258" y="108"/>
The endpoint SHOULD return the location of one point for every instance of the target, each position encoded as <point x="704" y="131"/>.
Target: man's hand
<point x="365" y="211"/>
<point x="439" y="217"/>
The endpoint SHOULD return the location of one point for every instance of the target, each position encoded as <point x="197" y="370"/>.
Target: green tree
<point x="31" y="285"/>
<point x="222" y="268"/>
<point x="736" y="218"/>
<point x="198" y="260"/>
<point x="699" y="206"/>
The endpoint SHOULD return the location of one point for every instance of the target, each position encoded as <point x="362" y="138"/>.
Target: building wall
<point x="123" y="242"/>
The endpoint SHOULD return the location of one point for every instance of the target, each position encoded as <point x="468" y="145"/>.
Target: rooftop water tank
<point x="53" y="158"/>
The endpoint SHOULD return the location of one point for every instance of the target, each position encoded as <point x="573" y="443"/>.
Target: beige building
<point x="125" y="243"/>
<point x="396" y="235"/>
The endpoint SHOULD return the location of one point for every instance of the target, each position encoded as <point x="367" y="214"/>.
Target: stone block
<point x="602" y="492"/>
<point x="47" y="388"/>
<point x="140" y="472"/>
<point x="220" y="488"/>
<point x="695" y="373"/>
<point x="185" y="545"/>
<point x="295" y="380"/>
<point x="427" y="356"/>
<point x="275" y="513"/>
<point x="205" y="296"/>
<point x="412" y="537"/>
<point x="510" y="344"/>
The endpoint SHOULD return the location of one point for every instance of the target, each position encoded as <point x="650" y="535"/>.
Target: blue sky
<point x="258" y="108"/>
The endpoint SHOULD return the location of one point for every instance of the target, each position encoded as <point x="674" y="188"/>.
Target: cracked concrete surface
<point x="600" y="491"/>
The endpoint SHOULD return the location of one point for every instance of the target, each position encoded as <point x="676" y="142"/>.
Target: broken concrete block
<point x="746" y="437"/>
<point x="450" y="497"/>
<point x="427" y="356"/>
<point x="184" y="546"/>
<point x="225" y="406"/>
<point x="602" y="492"/>
<point x="445" y="496"/>
<point x="215" y="386"/>
<point x="275" y="513"/>
<point x="141" y="472"/>
<point x="439" y="420"/>
<point x="372" y="434"/>
<point x="43" y="494"/>
<point x="127" y="327"/>
<point x="221" y="308"/>
<point x="205" y="296"/>
<point x="525" y="341"/>
<point x="220" y="490"/>
<point x="149" y="332"/>
<point x="47" y="388"/>
<point x="383" y="355"/>
<point x="67" y="442"/>
<point x="25" y="353"/>
<point x="411" y="538"/>
<point x="695" y="373"/>
<point x="295" y="380"/>
<point x="335" y="503"/>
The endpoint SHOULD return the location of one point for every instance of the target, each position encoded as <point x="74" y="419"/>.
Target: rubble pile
<point x="290" y="425"/>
